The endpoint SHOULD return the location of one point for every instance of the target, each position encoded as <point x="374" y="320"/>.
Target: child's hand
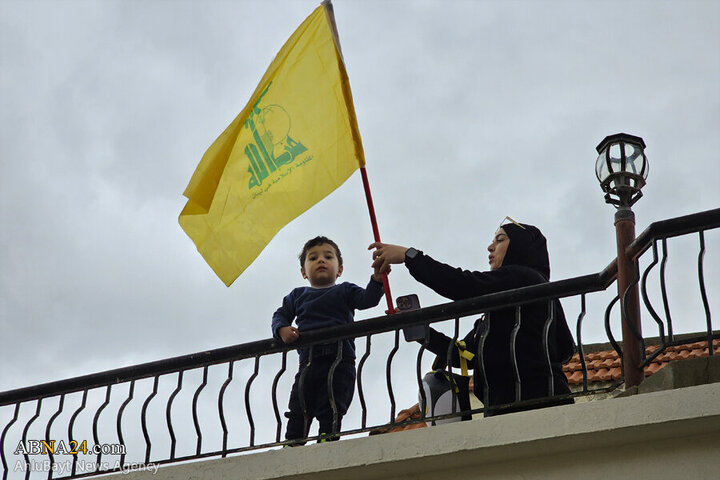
<point x="377" y="275"/>
<point x="385" y="254"/>
<point x="289" y="334"/>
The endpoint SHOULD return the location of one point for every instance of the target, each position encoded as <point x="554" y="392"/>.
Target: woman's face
<point x="498" y="249"/>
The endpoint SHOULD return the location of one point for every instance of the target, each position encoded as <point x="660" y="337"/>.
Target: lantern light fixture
<point x="622" y="168"/>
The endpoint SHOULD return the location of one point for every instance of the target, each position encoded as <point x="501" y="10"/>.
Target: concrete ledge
<point x="679" y="374"/>
<point x="666" y="434"/>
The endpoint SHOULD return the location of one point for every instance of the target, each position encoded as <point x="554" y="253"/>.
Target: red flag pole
<point x="376" y="235"/>
<point x="366" y="185"/>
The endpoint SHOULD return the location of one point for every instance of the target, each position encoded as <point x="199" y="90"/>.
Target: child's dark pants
<point x="317" y="398"/>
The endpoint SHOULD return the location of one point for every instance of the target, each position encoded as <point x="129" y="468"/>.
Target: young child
<point x="322" y="304"/>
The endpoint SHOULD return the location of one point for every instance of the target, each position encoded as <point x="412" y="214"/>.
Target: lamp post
<point x="622" y="169"/>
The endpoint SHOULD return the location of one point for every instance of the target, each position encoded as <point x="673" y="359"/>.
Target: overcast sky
<point x="468" y="110"/>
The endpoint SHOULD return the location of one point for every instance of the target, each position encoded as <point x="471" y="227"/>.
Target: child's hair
<point x="319" y="240"/>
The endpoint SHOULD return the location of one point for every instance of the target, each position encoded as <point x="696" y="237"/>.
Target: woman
<point x="518" y="258"/>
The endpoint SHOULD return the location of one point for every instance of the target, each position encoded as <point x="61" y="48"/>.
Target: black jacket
<point x="525" y="264"/>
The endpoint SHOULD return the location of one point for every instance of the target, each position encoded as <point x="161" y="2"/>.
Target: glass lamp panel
<point x="601" y="169"/>
<point x="633" y="156"/>
<point x="615" y="154"/>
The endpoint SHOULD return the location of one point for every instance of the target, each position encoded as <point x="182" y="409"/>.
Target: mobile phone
<point x="410" y="302"/>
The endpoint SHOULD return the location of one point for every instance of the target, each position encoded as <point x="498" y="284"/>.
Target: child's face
<point x="321" y="266"/>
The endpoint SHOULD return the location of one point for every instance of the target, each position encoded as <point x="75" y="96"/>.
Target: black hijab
<point x="527" y="247"/>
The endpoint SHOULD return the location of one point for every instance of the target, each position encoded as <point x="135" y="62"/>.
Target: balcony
<point x="217" y="414"/>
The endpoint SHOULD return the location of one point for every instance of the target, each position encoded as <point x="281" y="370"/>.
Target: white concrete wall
<point x="660" y="435"/>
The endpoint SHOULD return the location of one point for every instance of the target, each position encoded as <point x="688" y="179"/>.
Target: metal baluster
<point x="703" y="293"/>
<point x="168" y="416"/>
<point x="247" y="400"/>
<point x="221" y="411"/>
<point x="483" y="324"/>
<point x="301" y="393"/>
<point x="143" y="419"/>
<point x="453" y="345"/>
<point x="331" y="390"/>
<point x="581" y="353"/>
<point x="418" y="372"/>
<point x="194" y="411"/>
<point x="119" y="420"/>
<point x="47" y="433"/>
<point x="513" y="353"/>
<point x="2" y="440"/>
<point x="361" y="394"/>
<point x="388" y="375"/>
<point x="95" y="422"/>
<point x="276" y="409"/>
<point x="663" y="290"/>
<point x="546" y="346"/>
<point x="608" y="331"/>
<point x="646" y="299"/>
<point x="24" y="436"/>
<point x="72" y="424"/>
<point x="613" y="342"/>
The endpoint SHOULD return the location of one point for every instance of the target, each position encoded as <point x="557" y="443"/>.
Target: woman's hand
<point x="289" y="334"/>
<point x="385" y="255"/>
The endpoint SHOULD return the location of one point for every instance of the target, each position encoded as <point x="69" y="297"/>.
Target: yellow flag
<point x="293" y="144"/>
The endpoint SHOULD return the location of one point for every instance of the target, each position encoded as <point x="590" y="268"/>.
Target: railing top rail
<point x="673" y="227"/>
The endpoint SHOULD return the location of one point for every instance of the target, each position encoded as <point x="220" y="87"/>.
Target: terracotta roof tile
<point x="575" y="377"/>
<point x="605" y="366"/>
<point x="412" y="413"/>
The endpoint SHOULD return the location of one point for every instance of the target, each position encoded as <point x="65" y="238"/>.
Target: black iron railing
<point x="187" y="408"/>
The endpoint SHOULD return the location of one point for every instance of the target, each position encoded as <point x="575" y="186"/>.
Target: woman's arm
<point x="450" y="282"/>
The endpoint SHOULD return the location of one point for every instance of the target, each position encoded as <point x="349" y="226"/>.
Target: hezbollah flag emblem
<point x="293" y="144"/>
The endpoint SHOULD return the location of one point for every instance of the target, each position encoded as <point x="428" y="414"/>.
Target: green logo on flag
<point x="273" y="147"/>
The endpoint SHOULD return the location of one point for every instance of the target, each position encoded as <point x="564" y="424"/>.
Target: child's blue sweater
<point x="313" y="308"/>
